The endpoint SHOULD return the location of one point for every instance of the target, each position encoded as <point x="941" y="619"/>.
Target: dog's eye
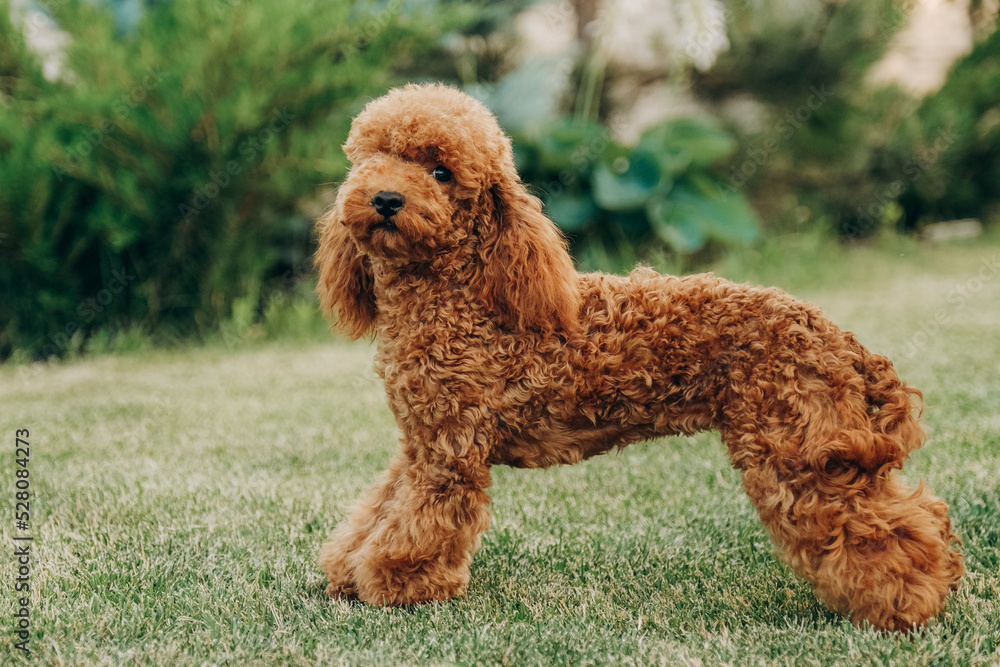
<point x="442" y="173"/>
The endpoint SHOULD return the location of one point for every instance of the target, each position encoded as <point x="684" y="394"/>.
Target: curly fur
<point x="494" y="350"/>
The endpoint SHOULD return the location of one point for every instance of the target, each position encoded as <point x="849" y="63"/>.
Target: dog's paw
<point x="345" y="590"/>
<point x="393" y="582"/>
<point x="895" y="579"/>
<point x="334" y="560"/>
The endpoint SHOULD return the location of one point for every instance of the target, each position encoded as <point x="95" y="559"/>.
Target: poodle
<point x="494" y="350"/>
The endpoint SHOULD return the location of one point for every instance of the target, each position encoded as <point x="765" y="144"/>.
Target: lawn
<point x="180" y="499"/>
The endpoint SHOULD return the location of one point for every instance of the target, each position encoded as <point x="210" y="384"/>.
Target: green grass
<point x="180" y="499"/>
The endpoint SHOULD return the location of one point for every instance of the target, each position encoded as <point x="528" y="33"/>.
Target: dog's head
<point x="433" y="172"/>
<point x="423" y="158"/>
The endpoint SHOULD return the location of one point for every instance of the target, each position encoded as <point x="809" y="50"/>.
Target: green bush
<point x="816" y="152"/>
<point x="950" y="166"/>
<point x="159" y="180"/>
<point x="622" y="203"/>
<point x="833" y="150"/>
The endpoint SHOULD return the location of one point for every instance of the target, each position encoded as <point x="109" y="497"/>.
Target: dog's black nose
<point x="388" y="203"/>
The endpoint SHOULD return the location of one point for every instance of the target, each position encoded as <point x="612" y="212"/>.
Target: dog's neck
<point x="414" y="286"/>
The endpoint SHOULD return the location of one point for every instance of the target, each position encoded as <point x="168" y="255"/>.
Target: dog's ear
<point x="345" y="282"/>
<point x="530" y="281"/>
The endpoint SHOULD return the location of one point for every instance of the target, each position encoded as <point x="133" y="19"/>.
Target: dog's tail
<point x="893" y="407"/>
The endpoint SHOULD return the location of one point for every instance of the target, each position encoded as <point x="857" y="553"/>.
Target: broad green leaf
<point x="571" y="211"/>
<point x="726" y="212"/>
<point x="674" y="226"/>
<point x="687" y="142"/>
<point x="698" y="209"/>
<point x="572" y="145"/>
<point x="628" y="183"/>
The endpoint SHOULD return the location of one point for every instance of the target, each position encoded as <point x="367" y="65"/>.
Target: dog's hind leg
<point x="872" y="548"/>
<point x="879" y="553"/>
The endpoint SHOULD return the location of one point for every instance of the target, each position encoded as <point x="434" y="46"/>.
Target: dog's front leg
<point x="422" y="535"/>
<point x="336" y="555"/>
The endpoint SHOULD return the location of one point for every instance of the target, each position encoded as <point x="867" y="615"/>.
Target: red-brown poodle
<point x="494" y="350"/>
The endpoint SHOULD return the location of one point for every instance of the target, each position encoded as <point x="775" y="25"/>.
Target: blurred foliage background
<point x="162" y="161"/>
